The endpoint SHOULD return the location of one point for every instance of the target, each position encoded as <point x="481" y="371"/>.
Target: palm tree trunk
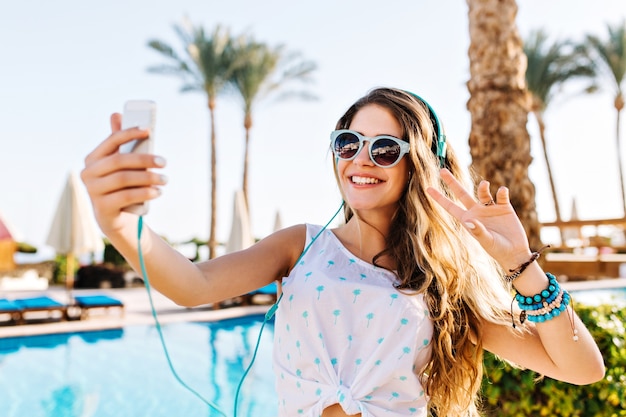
<point x="619" y="105"/>
<point x="70" y="272"/>
<point x="247" y="124"/>
<point x="499" y="142"/>
<point x="555" y="198"/>
<point x="212" y="244"/>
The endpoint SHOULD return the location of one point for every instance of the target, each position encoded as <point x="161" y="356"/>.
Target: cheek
<point x="402" y="172"/>
<point x="340" y="169"/>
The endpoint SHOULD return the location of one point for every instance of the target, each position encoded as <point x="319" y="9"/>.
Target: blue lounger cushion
<point x="8" y="306"/>
<point x="87" y="302"/>
<point x="39" y="303"/>
<point x="269" y="289"/>
<point x="97" y="301"/>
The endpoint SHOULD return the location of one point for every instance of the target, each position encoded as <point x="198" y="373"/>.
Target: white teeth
<point x="364" y="180"/>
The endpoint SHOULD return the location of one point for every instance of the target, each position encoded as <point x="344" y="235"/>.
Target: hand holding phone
<point x="142" y="114"/>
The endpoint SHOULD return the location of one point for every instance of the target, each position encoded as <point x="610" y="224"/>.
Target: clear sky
<point x="68" y="64"/>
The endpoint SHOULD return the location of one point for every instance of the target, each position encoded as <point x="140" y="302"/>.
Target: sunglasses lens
<point x="346" y="145"/>
<point x="385" y="152"/>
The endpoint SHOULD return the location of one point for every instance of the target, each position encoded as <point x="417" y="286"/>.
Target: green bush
<point x="60" y="269"/>
<point x="508" y="391"/>
<point x="112" y="256"/>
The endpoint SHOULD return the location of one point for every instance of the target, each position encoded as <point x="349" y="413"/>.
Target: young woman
<point x="389" y="313"/>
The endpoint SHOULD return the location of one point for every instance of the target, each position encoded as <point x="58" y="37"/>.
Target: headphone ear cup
<point x="439" y="145"/>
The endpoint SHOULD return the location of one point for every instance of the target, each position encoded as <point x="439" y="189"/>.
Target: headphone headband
<point x="440" y="136"/>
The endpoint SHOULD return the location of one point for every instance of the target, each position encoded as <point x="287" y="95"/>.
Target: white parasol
<point x="278" y="221"/>
<point x="278" y="224"/>
<point x="74" y="231"/>
<point x="572" y="233"/>
<point x="240" y="232"/>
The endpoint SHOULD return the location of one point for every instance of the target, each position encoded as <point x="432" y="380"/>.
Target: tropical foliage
<point x="218" y="64"/>
<point x="263" y="71"/>
<point x="514" y="392"/>
<point x="205" y="65"/>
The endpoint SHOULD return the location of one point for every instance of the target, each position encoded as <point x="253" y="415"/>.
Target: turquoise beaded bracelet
<point x="537" y="300"/>
<point x="545" y="306"/>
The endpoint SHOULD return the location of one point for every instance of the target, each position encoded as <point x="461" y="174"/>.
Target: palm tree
<point x="263" y="71"/>
<point x="610" y="57"/>
<point x="549" y="66"/>
<point x="206" y="66"/>
<point x="499" y="142"/>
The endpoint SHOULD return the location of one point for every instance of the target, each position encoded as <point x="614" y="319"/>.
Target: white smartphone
<point x="142" y="114"/>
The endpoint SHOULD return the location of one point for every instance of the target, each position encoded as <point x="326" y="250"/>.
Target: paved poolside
<point x="138" y="310"/>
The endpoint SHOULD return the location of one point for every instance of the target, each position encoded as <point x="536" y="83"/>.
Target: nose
<point x="363" y="157"/>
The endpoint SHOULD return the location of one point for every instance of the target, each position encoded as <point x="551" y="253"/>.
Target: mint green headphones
<point x="440" y="142"/>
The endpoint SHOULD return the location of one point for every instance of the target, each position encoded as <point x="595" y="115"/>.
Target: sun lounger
<point x="12" y="309"/>
<point x="41" y="304"/>
<point x="266" y="294"/>
<point x="89" y="302"/>
<point x="261" y="296"/>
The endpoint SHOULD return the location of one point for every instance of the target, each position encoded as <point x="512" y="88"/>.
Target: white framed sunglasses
<point x="385" y="151"/>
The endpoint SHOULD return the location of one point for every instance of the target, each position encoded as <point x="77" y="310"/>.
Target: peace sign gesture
<point x="493" y="222"/>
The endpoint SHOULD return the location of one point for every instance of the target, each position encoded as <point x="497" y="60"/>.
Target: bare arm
<point x="226" y="276"/>
<point x="549" y="348"/>
<point x="116" y="180"/>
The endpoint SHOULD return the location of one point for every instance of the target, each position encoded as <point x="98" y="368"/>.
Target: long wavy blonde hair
<point x="435" y="255"/>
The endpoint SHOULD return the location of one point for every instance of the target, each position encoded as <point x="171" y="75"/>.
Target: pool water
<point x="124" y="372"/>
<point x="597" y="296"/>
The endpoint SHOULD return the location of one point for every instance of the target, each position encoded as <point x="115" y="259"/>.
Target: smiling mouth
<point x="364" y="180"/>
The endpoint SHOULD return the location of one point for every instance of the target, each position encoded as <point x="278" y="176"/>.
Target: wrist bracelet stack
<point x="544" y="306"/>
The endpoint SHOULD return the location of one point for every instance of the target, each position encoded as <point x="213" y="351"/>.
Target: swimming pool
<point x="124" y="372"/>
<point x="597" y="296"/>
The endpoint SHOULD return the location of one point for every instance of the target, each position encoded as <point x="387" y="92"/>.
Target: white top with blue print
<point x="344" y="334"/>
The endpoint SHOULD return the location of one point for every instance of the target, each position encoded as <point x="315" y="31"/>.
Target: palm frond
<point x="610" y="54"/>
<point x="551" y="65"/>
<point x="204" y="61"/>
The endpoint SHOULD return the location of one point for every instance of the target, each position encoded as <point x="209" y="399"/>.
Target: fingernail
<point x="159" y="161"/>
<point x="470" y="225"/>
<point x="163" y="179"/>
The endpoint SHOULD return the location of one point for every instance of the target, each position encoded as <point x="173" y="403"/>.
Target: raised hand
<point x="116" y="180"/>
<point x="493" y="222"/>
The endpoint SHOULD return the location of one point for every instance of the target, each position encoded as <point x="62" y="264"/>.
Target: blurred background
<point x="69" y="64"/>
